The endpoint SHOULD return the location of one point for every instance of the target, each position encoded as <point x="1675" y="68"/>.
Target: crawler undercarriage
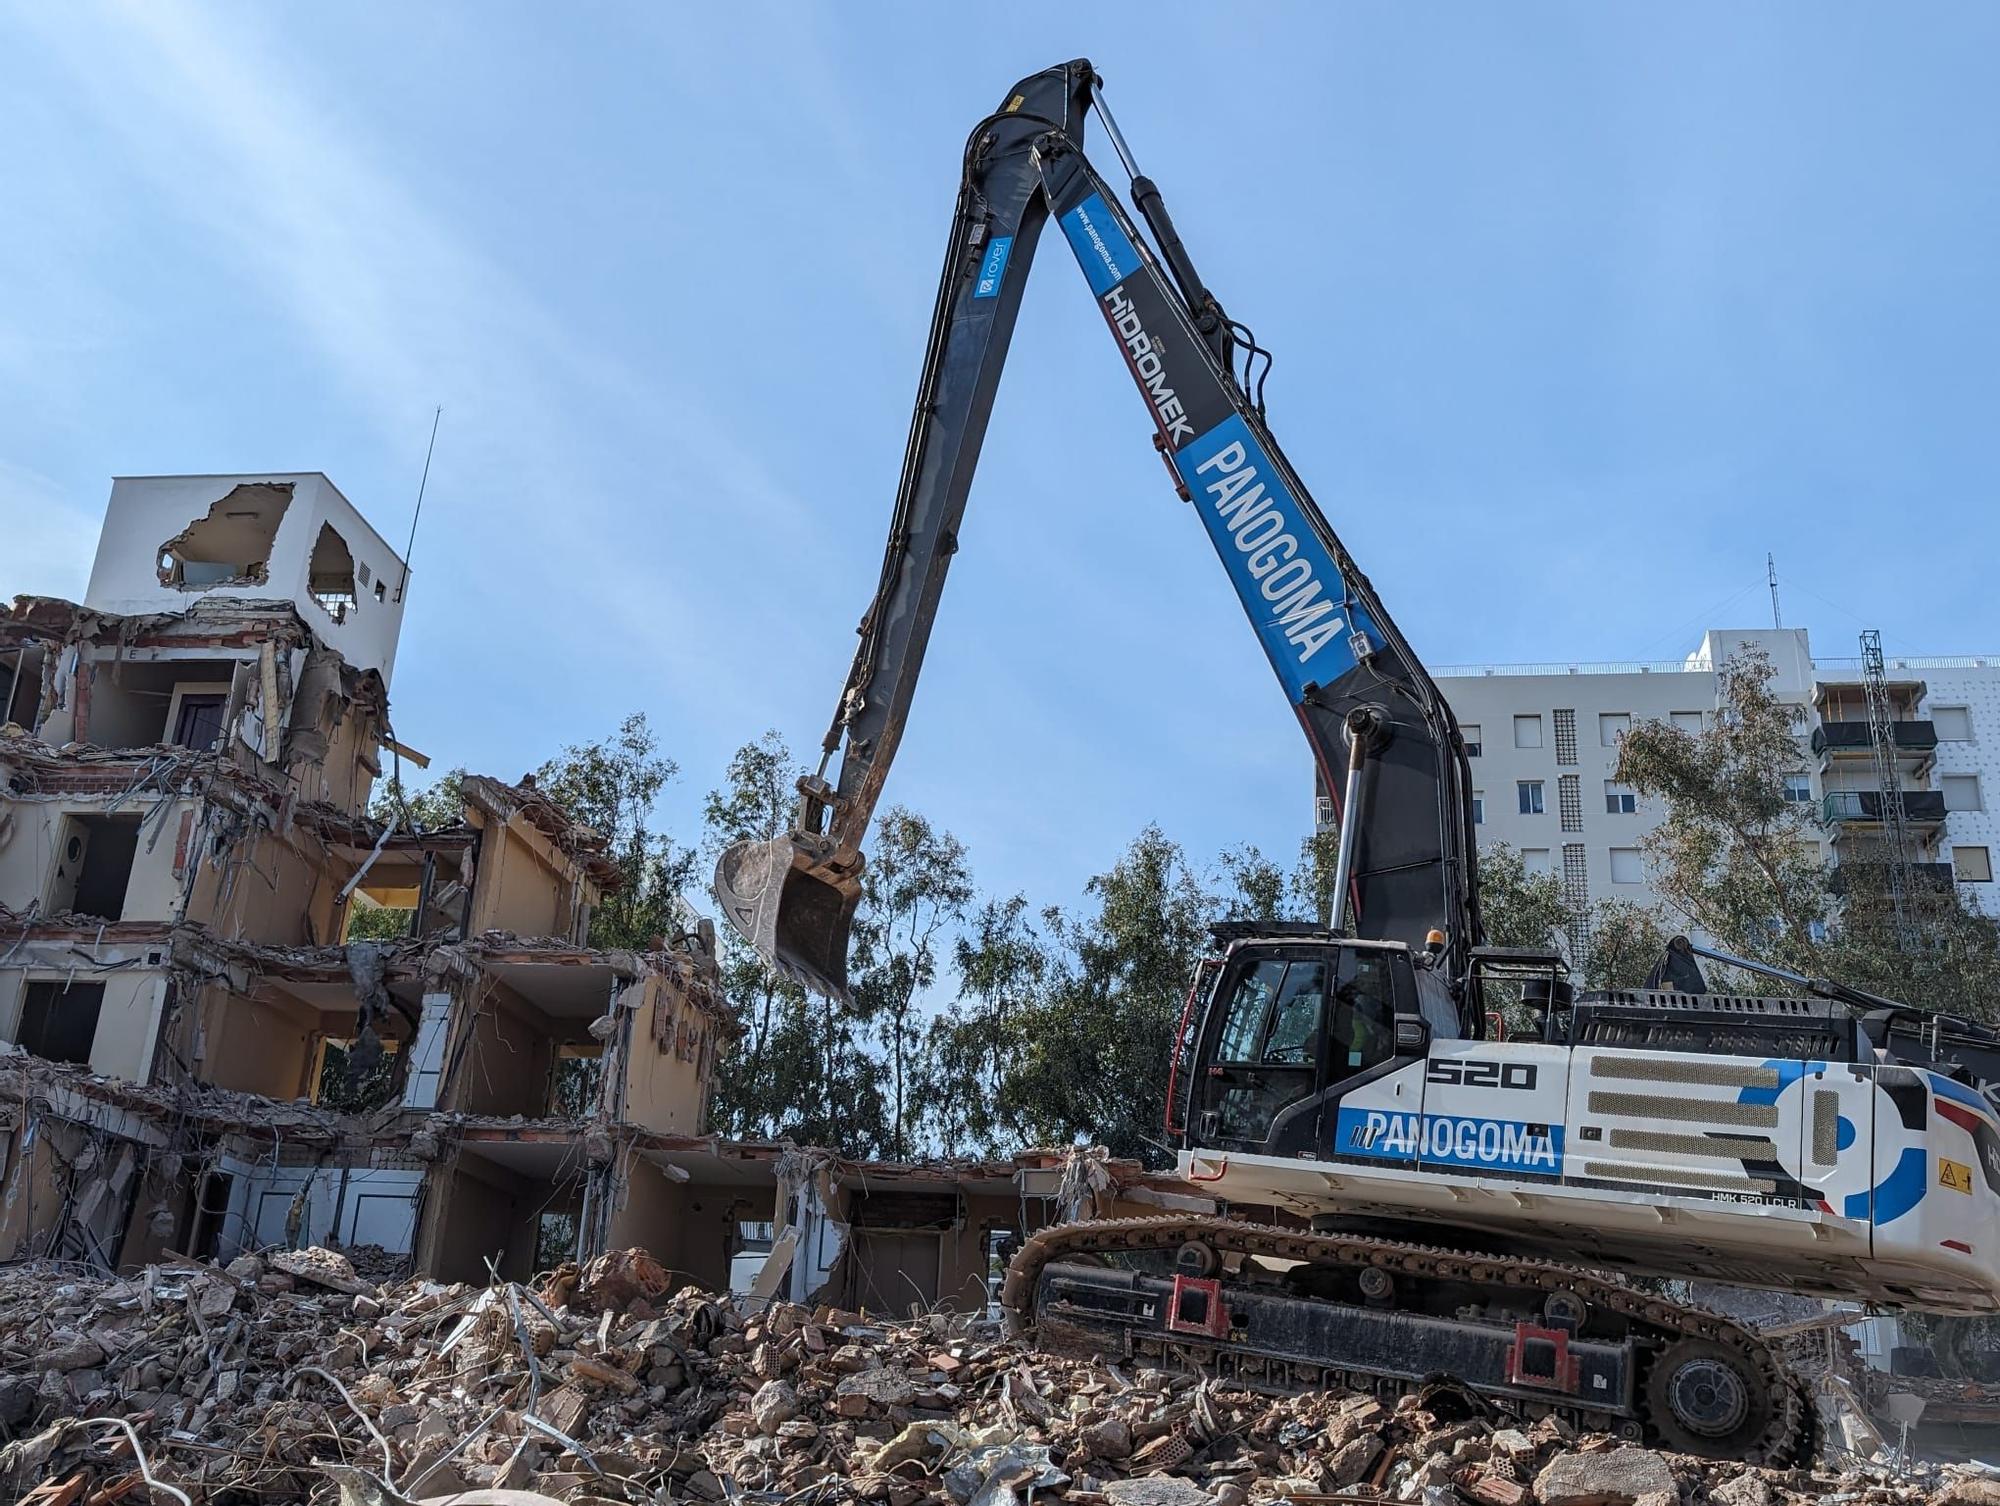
<point x="1288" y="1310"/>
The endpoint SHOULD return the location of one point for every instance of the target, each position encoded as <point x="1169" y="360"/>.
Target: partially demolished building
<point x="198" y="1056"/>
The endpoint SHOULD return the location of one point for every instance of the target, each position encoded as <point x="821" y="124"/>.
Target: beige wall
<point x="523" y="886"/>
<point x="265" y="890"/>
<point x="666" y="1086"/>
<point x="31" y="1199"/>
<point x="254" y="1046"/>
<point x="485" y="1209"/>
<point x="685" y="1226"/>
<point x="505" y="1067"/>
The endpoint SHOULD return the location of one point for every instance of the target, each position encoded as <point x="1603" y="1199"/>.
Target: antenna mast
<point x="1771" y="574"/>
<point x="411" y="547"/>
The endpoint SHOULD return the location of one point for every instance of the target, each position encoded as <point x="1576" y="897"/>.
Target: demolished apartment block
<point x="196" y="1057"/>
<point x="200" y="1060"/>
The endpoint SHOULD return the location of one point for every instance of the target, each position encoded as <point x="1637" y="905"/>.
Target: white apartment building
<point x="1544" y="739"/>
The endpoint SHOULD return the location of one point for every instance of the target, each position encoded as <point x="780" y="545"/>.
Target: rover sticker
<point x="994" y="267"/>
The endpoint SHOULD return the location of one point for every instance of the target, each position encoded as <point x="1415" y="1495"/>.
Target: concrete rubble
<point x="296" y="1377"/>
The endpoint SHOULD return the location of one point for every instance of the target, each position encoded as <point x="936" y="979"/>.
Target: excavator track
<point x="1778" y="1427"/>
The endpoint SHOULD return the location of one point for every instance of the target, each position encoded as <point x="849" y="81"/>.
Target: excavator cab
<point x="1292" y="1023"/>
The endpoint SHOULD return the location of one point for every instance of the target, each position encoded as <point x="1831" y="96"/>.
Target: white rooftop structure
<point x="169" y="541"/>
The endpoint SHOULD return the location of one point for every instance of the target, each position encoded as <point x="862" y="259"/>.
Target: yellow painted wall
<point x="666" y="1087"/>
<point x="522" y="887"/>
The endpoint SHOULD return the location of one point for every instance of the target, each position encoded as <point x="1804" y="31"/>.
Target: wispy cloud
<point x="403" y="310"/>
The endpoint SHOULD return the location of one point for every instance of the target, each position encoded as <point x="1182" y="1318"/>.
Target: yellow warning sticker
<point x="1954" y="1174"/>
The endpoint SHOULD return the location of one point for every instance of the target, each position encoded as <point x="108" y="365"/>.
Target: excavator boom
<point x="1343" y="664"/>
<point x="1334" y="1087"/>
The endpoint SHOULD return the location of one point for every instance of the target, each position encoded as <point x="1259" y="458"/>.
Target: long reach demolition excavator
<point x="1440" y="1200"/>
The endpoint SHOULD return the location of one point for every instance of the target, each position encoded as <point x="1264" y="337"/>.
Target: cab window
<point x="1293" y="1039"/>
<point x="1248" y="1008"/>
<point x="1364" y="1013"/>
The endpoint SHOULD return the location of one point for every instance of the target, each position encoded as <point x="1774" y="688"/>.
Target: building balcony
<point x="1870" y="878"/>
<point x="1851" y="808"/>
<point x="1832" y="739"/>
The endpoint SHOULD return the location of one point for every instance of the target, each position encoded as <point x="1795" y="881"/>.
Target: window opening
<point x="1972" y="865"/>
<point x="1619" y="799"/>
<point x="330" y="576"/>
<point x="59" y="1020"/>
<point x="1612" y="725"/>
<point x="351" y="1081"/>
<point x="231" y="545"/>
<point x="1530" y="794"/>
<point x="555" y="1240"/>
<point x="579" y="1074"/>
<point x="1479" y="807"/>
<point x="1798" y="789"/>
<point x="1475" y="743"/>
<point x="1527" y="731"/>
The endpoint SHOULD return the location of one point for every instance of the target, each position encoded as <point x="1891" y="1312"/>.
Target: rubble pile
<point x="295" y="1378"/>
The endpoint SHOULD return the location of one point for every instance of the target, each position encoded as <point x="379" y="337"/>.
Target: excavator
<point x="1406" y="1189"/>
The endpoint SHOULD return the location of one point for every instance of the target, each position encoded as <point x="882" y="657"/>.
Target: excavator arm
<point x="1383" y="738"/>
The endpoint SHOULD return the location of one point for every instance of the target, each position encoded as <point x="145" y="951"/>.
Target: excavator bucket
<point x="796" y="917"/>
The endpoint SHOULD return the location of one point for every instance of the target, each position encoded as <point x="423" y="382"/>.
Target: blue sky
<point x="1578" y="310"/>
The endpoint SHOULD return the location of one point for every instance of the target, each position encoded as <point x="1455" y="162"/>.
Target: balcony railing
<point x="1873" y="878"/>
<point x="1852" y="737"/>
<point x="1866" y="805"/>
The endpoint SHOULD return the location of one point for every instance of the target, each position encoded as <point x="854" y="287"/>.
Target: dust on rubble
<point x="296" y="1378"/>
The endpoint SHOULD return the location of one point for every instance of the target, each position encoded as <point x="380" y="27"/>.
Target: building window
<point x="1687" y="721"/>
<point x="1536" y="860"/>
<point x="1953" y="723"/>
<point x="1474" y="743"/>
<point x="1619" y="799"/>
<point x="1527" y="731"/>
<point x="1530" y="792"/>
<point x="1626" y="867"/>
<point x="1479" y="807"/>
<point x="1971" y="865"/>
<point x="1798" y="789"/>
<point x="1612" y="725"/>
<point x="1961" y="792"/>
<point x="59" y="1020"/>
